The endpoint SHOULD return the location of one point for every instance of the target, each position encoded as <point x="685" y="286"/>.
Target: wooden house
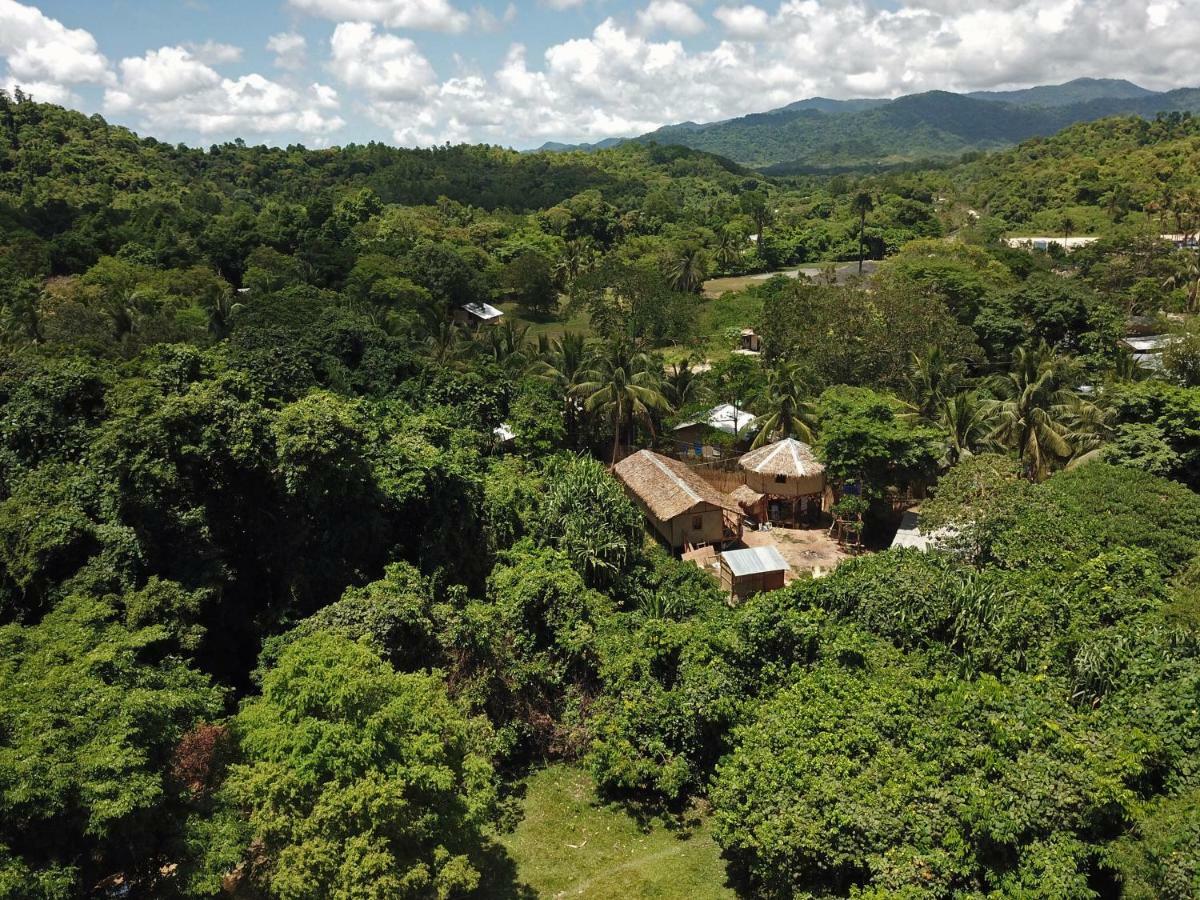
<point x="751" y="571"/>
<point x="684" y="509"/>
<point x="792" y="479"/>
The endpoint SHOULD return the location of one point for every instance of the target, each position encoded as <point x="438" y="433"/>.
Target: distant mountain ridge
<point x="820" y="134"/>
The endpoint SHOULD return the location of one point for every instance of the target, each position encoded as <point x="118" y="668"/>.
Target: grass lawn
<point x="552" y="326"/>
<point x="571" y="845"/>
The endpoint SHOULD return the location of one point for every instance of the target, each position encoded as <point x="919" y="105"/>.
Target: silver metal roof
<point x="753" y="561"/>
<point x="483" y="310"/>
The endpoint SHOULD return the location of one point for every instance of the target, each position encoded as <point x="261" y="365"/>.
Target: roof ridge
<point x="769" y="457"/>
<point x="674" y="476"/>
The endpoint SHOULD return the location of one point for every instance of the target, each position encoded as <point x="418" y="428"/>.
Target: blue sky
<point x="419" y="72"/>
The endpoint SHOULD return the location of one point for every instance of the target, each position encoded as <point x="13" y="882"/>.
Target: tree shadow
<point x="498" y="876"/>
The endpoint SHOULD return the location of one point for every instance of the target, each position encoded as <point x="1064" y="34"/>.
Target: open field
<point x="569" y="844"/>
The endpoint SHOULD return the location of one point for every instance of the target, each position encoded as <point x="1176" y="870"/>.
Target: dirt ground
<point x="806" y="550"/>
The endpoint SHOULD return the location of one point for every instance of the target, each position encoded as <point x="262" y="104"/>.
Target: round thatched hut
<point x="790" y="476"/>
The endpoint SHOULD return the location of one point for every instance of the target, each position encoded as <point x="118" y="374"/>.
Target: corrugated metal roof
<point x="753" y="561"/>
<point x="483" y="310"/>
<point x="726" y="417"/>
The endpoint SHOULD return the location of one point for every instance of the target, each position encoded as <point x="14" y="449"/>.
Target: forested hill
<point x="46" y="149"/>
<point x="814" y="135"/>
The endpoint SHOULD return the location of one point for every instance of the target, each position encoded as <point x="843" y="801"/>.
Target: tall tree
<point x="787" y="409"/>
<point x="622" y="386"/>
<point x="1037" y="415"/>
<point x="861" y="205"/>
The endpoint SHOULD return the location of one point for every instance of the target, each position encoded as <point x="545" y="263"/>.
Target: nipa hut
<point x="684" y="508"/>
<point x="791" y="477"/>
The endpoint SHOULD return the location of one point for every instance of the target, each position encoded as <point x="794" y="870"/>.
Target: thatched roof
<point x="666" y="486"/>
<point x="746" y="496"/>
<point x="788" y="457"/>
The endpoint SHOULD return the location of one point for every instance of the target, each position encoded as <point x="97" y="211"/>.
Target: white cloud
<point x="385" y="66"/>
<point x="746" y="21"/>
<point x="214" y="52"/>
<point x="290" y="49"/>
<point x="42" y="50"/>
<point x="486" y="20"/>
<point x="619" y="80"/>
<point x="431" y="15"/>
<point x="169" y="90"/>
<point x="43" y="91"/>
<point x="162" y="74"/>
<point x="673" y="16"/>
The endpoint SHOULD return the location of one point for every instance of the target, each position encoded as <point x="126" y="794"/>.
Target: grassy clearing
<point x="571" y="845"/>
<point x="553" y="326"/>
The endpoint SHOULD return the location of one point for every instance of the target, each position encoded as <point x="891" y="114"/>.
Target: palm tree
<point x="622" y="386"/>
<point x="688" y="268"/>
<point x="682" y="384"/>
<point x="931" y="380"/>
<point x="505" y="344"/>
<point x="1037" y="416"/>
<point x="561" y="363"/>
<point x="789" y="412"/>
<point x="729" y="248"/>
<point x="1188" y="277"/>
<point x="860" y="206"/>
<point x="966" y="420"/>
<point x="446" y="342"/>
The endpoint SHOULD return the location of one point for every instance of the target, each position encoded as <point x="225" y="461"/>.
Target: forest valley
<point x="278" y="618"/>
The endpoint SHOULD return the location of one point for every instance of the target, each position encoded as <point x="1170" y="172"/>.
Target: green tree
<point x="860" y="206"/>
<point x="92" y="705"/>
<point x="622" y="387"/>
<point x="351" y="779"/>
<point x="1038" y="416"/>
<point x="787" y="409"/>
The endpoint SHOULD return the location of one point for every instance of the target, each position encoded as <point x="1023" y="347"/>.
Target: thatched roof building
<point x="786" y="468"/>
<point x="684" y="508"/>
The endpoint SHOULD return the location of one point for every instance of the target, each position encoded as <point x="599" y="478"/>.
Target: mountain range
<point x="820" y="134"/>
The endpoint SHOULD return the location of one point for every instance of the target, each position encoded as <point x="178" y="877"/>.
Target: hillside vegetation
<point x="285" y="614"/>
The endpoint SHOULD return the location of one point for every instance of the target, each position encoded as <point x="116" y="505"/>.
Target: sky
<point x="424" y="72"/>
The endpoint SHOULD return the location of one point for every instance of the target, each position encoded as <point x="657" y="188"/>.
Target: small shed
<point x="750" y="341"/>
<point x="475" y="314"/>
<point x="695" y="438"/>
<point x="745" y="573"/>
<point x="750" y="501"/>
<point x="683" y="508"/>
<point x="791" y="477"/>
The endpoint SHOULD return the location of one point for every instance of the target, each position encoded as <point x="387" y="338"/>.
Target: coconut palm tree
<point x="506" y="344"/>
<point x="860" y="206"/>
<point x="682" y="384"/>
<point x="687" y="268"/>
<point x="1038" y="416"/>
<point x="561" y="363"/>
<point x="728" y="250"/>
<point x="966" y="420"/>
<point x="1188" y="278"/>
<point x="788" y="412"/>
<point x="622" y="386"/>
<point x="932" y="378"/>
<point x="446" y="342"/>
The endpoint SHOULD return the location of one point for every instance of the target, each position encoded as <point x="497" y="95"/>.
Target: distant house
<point x="684" y="509"/>
<point x="1147" y="349"/>
<point x="750" y="341"/>
<point x="695" y="438"/>
<point x="503" y="435"/>
<point x="791" y="477"/>
<point x="1187" y="241"/>
<point x="1043" y="242"/>
<point x="475" y="314"/>
<point x="745" y="573"/>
